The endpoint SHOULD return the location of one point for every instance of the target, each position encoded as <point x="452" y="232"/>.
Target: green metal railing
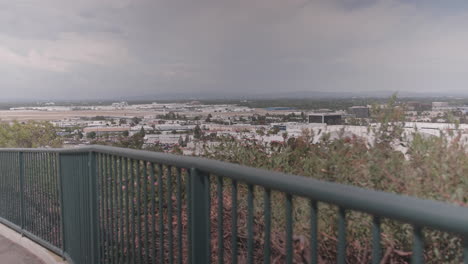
<point x="102" y="204"/>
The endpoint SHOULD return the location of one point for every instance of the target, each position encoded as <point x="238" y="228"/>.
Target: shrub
<point x="433" y="168"/>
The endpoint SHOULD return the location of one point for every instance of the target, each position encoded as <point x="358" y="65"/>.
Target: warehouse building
<point x="359" y="111"/>
<point x="326" y="118"/>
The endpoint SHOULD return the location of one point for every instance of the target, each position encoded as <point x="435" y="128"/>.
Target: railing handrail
<point x="428" y="213"/>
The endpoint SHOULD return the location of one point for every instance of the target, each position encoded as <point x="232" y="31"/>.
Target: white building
<point x="120" y="105"/>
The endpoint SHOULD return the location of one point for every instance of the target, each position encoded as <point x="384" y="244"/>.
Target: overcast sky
<point x="117" y="48"/>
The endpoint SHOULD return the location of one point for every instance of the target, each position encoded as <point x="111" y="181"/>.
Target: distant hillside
<point x="286" y="95"/>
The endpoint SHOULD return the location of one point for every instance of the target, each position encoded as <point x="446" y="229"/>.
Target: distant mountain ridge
<point x="288" y="95"/>
<point x="214" y="95"/>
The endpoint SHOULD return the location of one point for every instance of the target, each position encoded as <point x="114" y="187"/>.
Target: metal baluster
<point x="250" y="222"/>
<point x="341" y="236"/>
<point x="418" y="246"/>
<point x="376" y="248"/>
<point x="179" y="217"/>
<point x="220" y="220"/>
<point x="289" y="229"/>
<point x="234" y="222"/>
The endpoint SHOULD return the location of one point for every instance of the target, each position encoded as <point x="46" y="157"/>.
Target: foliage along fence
<point x="110" y="205"/>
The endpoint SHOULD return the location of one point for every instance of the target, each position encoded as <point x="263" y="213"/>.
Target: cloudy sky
<point x="117" y="48"/>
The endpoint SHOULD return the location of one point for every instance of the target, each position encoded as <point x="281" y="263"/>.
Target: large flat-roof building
<point x="325" y="118"/>
<point x="439" y="105"/>
<point x="106" y="130"/>
<point x="418" y="106"/>
<point x="359" y="111"/>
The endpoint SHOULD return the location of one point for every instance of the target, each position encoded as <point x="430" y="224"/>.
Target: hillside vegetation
<point x="433" y="168"/>
<point x="29" y="135"/>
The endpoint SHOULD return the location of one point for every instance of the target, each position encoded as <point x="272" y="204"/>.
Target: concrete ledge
<point x="40" y="252"/>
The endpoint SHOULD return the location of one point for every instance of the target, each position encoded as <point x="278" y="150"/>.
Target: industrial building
<point x="326" y="118"/>
<point x="359" y="111"/>
<point x="418" y="106"/>
<point x="439" y="106"/>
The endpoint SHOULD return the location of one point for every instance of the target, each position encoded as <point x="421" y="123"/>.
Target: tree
<point x="125" y="133"/>
<point x="91" y="135"/>
<point x="134" y="142"/>
<point x="136" y="120"/>
<point x="154" y="147"/>
<point x="208" y="118"/>
<point x="197" y="132"/>
<point x="142" y="132"/>
<point x="213" y="136"/>
<point x="99" y="118"/>
<point x="260" y="132"/>
<point x="391" y="123"/>
<point x="291" y="142"/>
<point x="29" y="135"/>
<point x="274" y="131"/>
<point x="177" y="150"/>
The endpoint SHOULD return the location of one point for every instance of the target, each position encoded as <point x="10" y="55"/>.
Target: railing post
<point x="93" y="207"/>
<point x="465" y="249"/>
<point x="418" y="246"/>
<point x="200" y="216"/>
<point x="60" y="188"/>
<point x="21" y="178"/>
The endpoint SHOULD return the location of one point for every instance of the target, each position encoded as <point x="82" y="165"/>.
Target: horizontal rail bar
<point x="428" y="213"/>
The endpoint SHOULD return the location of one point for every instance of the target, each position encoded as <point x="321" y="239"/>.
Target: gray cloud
<point x="109" y="48"/>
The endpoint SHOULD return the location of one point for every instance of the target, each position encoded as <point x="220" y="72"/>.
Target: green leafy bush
<point x="29" y="135"/>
